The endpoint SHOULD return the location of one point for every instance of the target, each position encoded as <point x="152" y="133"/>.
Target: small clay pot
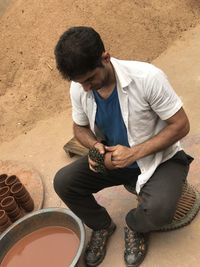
<point x="2" y="179"/>
<point x="18" y="189"/>
<point x="14" y="212"/>
<point x="10" y="180"/>
<point x="5" y="226"/>
<point x="18" y="214"/>
<point x="4" y="221"/>
<point x="23" y="198"/>
<point x="17" y="217"/>
<point x="9" y="204"/>
<point x="28" y="205"/>
<point x="4" y="192"/>
<point x="3" y="217"/>
<point x="108" y="162"/>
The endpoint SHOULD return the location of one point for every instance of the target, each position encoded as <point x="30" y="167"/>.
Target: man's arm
<point x="84" y="135"/>
<point x="177" y="127"/>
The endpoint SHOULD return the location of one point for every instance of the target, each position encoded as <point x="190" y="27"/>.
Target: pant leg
<point x="160" y="195"/>
<point x="76" y="183"/>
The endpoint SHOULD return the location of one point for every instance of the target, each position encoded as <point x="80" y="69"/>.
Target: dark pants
<point x="76" y="183"/>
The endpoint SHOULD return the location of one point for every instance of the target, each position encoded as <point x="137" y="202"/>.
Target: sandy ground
<point x="30" y="87"/>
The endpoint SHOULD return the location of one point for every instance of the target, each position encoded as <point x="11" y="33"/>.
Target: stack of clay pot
<point x="14" y="200"/>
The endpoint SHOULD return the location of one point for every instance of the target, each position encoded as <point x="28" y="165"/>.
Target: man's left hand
<point x="122" y="156"/>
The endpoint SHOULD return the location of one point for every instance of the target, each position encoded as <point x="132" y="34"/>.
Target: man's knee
<point x="159" y="213"/>
<point x="62" y="181"/>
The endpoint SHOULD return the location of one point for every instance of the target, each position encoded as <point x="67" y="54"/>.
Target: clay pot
<point x="18" y="189"/>
<point x="4" y="221"/>
<point x="25" y="201"/>
<point x="9" y="204"/>
<point x="4" y="192"/>
<point x="28" y="205"/>
<point x="2" y="179"/>
<point x="10" y="180"/>
<point x="3" y="217"/>
<point x="23" y="198"/>
<point x="15" y="214"/>
<point x="18" y="216"/>
<point x="108" y="162"/>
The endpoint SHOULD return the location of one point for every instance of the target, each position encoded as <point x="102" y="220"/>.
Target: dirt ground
<point x="30" y="86"/>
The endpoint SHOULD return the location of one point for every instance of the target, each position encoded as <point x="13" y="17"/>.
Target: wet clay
<point x="49" y="246"/>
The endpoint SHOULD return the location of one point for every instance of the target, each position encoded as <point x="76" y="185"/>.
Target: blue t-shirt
<point x="110" y="121"/>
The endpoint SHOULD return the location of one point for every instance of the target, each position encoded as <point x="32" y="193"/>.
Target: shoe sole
<point x="101" y="259"/>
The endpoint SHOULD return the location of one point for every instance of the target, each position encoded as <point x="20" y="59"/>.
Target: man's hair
<point x="78" y="51"/>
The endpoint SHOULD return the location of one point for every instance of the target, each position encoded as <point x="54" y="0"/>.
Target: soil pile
<point x="30" y="87"/>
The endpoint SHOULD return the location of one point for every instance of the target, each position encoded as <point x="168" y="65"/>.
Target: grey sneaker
<point x="96" y="248"/>
<point x="135" y="247"/>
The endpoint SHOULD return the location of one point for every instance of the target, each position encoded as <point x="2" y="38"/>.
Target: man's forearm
<point x="84" y="135"/>
<point x="167" y="137"/>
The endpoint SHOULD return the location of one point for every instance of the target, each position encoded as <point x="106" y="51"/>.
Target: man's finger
<point x="110" y="148"/>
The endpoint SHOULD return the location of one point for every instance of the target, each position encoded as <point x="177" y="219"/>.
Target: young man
<point x="127" y="108"/>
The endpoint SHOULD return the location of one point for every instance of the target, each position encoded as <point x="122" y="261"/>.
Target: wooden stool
<point x="73" y="147"/>
<point x="187" y="207"/>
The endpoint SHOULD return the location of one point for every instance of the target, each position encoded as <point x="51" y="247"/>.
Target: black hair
<point x="78" y="51"/>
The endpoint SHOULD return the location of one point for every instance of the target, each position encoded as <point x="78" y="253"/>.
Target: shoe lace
<point x="97" y="241"/>
<point x="134" y="241"/>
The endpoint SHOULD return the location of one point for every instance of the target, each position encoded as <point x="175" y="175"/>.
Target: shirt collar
<point x="123" y="76"/>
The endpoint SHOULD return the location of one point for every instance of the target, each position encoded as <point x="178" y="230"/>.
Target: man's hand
<point x="93" y="164"/>
<point x="122" y="156"/>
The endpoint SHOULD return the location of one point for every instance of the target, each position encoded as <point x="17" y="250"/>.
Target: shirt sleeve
<point x="78" y="114"/>
<point x="161" y="96"/>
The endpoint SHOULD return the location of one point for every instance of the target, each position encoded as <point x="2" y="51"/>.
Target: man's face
<point x="95" y="79"/>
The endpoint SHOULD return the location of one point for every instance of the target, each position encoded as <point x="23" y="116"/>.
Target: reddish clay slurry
<point x="18" y="189"/>
<point x="2" y="179"/>
<point x="9" y="204"/>
<point x="4" y="221"/>
<point x="10" y="180"/>
<point x="4" y="192"/>
<point x="58" y="245"/>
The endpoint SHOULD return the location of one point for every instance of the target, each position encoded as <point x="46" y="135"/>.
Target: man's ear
<point x="106" y="57"/>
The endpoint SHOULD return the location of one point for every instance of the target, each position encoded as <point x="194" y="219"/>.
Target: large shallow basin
<point x="42" y="218"/>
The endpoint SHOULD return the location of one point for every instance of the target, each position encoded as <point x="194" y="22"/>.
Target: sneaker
<point x="135" y="247"/>
<point x="96" y="248"/>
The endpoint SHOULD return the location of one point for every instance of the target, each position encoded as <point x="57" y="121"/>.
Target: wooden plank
<point x="73" y="147"/>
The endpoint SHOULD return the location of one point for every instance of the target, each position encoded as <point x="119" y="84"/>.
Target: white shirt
<point x="146" y="100"/>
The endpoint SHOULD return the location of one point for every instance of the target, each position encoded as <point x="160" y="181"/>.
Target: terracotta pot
<point x="23" y="198"/>
<point x="28" y="205"/>
<point x="108" y="162"/>
<point x="14" y="212"/>
<point x="4" y="192"/>
<point x="18" y="189"/>
<point x="3" y="217"/>
<point x="2" y="179"/>
<point x="9" y="204"/>
<point x="5" y="226"/>
<point x="18" y="216"/>
<point x="10" y="180"/>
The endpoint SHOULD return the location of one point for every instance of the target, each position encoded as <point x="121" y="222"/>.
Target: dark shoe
<point x="96" y="248"/>
<point x="135" y="247"/>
